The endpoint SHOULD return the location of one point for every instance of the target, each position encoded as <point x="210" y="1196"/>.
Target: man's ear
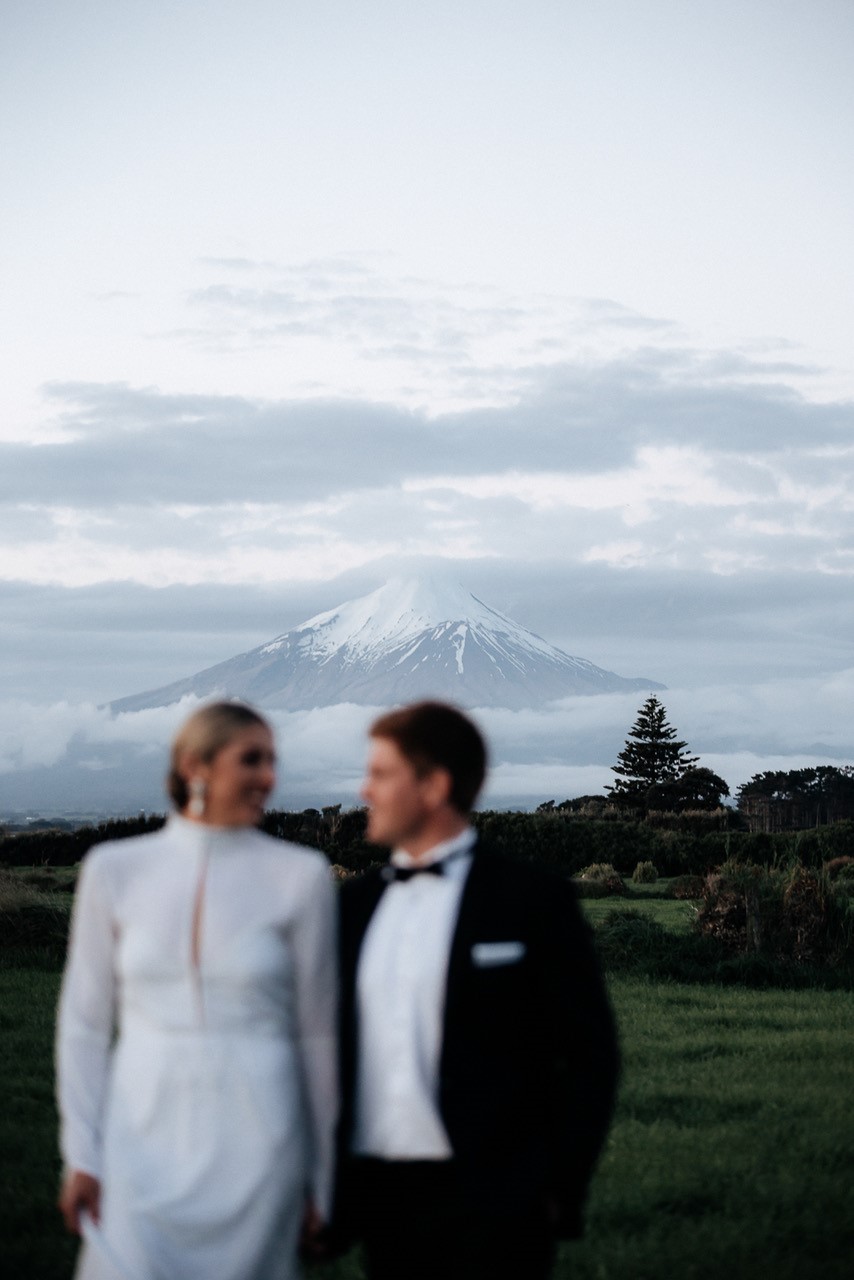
<point x="437" y="787"/>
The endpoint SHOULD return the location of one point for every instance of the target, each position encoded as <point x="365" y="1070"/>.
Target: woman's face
<point x="239" y="778"/>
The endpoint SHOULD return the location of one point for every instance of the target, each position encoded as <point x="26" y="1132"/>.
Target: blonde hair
<point x="206" y="732"/>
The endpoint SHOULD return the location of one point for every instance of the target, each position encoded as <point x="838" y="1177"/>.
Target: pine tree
<point x="652" y="755"/>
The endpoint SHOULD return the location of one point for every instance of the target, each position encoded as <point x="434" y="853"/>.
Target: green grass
<point x="34" y="1244"/>
<point x="733" y="1148"/>
<point x="731" y="1155"/>
<point x="669" y="912"/>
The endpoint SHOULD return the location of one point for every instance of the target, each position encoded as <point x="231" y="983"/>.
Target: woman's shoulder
<point x="106" y="852"/>
<point x="296" y="855"/>
<point x="110" y="862"/>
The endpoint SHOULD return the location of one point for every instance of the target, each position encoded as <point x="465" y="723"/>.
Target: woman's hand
<point x="312" y="1243"/>
<point x="79" y="1192"/>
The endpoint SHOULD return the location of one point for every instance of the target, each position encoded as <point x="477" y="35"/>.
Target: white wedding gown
<point x="196" y="1052"/>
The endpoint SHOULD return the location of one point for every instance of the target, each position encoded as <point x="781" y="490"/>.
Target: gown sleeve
<point x="86" y="1021"/>
<point x="315" y="947"/>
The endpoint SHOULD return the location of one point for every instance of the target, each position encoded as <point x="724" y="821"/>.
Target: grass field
<point x="732" y="1153"/>
<point x="669" y="912"/>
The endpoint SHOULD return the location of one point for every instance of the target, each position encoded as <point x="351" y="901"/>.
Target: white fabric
<point x="201" y="1092"/>
<point x="400" y="989"/>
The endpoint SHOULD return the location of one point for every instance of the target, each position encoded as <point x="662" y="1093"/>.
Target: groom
<point x="479" y="1053"/>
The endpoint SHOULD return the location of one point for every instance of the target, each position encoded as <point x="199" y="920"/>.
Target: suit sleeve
<point x="583" y="1050"/>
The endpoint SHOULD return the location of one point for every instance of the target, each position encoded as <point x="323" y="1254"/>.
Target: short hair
<point x="204" y="734"/>
<point x="436" y="735"/>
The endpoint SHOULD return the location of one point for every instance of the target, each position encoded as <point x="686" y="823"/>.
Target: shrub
<point x="684" y="887"/>
<point x="631" y="941"/>
<point x="592" y="888"/>
<point x="600" y="880"/>
<point x="645" y="873"/>
<point x="29" y="918"/>
<point x="784" y="913"/>
<point x="839" y="868"/>
<point x="627" y="937"/>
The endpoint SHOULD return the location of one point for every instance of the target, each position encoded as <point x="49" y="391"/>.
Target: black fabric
<point x="417" y="1225"/>
<point x="529" y="1057"/>
<point x="406" y="873"/>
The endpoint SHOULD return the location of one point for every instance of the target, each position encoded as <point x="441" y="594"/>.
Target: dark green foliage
<point x="562" y="840"/>
<point x="837" y="840"/>
<point x="652" y="760"/>
<point x="645" y="873"/>
<point x="699" y="822"/>
<point x="686" y="887"/>
<point x="595" y="889"/>
<point x="340" y="834"/>
<point x="678" y="843"/>
<point x="823" y="785"/>
<point x="31" y="919"/>
<point x="798" y="798"/>
<point x="840" y="867"/>
<point x="602" y="879"/>
<point x="695" y="790"/>
<point x="64" y="848"/>
<point x="789" y="914"/>
<point x="630" y="941"/>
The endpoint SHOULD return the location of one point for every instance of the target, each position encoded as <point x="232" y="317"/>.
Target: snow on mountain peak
<point x="401" y="608"/>
<point x="412" y="637"/>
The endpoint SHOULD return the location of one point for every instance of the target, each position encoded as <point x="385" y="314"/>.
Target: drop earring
<point x="196" y="806"/>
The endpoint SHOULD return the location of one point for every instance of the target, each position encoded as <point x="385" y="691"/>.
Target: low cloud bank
<point x="49" y="753"/>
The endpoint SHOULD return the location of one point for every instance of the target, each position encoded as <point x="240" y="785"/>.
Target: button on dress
<point x="196" y="1052"/>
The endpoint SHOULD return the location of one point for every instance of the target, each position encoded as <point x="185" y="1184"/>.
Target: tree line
<point x="657" y="774"/>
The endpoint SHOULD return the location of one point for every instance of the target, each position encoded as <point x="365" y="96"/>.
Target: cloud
<point x="661" y="510"/>
<point x="649" y="427"/>
<point x="566" y="750"/>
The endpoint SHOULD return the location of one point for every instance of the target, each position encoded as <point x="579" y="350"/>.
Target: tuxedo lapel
<point x="360" y="898"/>
<point x="468" y="929"/>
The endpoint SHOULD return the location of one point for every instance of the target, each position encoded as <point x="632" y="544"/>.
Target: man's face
<point x="398" y="800"/>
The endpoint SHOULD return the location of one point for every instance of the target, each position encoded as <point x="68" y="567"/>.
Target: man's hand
<point x="79" y="1192"/>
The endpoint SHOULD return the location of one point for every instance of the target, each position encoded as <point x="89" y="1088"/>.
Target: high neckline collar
<point x="204" y="832"/>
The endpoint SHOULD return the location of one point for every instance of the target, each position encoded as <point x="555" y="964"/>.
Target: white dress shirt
<point x="400" y="994"/>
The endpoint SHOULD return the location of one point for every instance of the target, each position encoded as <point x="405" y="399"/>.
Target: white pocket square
<point x="486" y="954"/>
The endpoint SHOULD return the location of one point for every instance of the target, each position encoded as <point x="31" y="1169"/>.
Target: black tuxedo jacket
<point x="529" y="1058"/>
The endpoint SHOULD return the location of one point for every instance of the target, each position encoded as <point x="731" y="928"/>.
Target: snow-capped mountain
<point x="412" y="638"/>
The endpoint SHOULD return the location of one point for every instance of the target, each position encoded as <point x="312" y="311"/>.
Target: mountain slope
<point x="412" y="638"/>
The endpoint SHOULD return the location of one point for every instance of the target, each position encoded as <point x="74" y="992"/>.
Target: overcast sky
<point x="554" y="296"/>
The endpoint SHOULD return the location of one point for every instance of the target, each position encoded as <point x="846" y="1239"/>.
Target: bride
<point x="195" y="1042"/>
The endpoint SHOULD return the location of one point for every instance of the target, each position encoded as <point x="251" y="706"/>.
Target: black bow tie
<point x="391" y="872"/>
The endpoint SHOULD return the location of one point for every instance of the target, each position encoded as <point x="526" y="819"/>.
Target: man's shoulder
<point x="355" y="890"/>
<point x="518" y="874"/>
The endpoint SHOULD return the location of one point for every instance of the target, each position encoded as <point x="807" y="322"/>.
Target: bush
<point x="628" y="937"/>
<point x="684" y="887"/>
<point x="600" y="880"/>
<point x="592" y="888"/>
<point x="840" y="868"/>
<point x="29" y="918"/>
<point x="790" y="913"/>
<point x="645" y="873"/>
